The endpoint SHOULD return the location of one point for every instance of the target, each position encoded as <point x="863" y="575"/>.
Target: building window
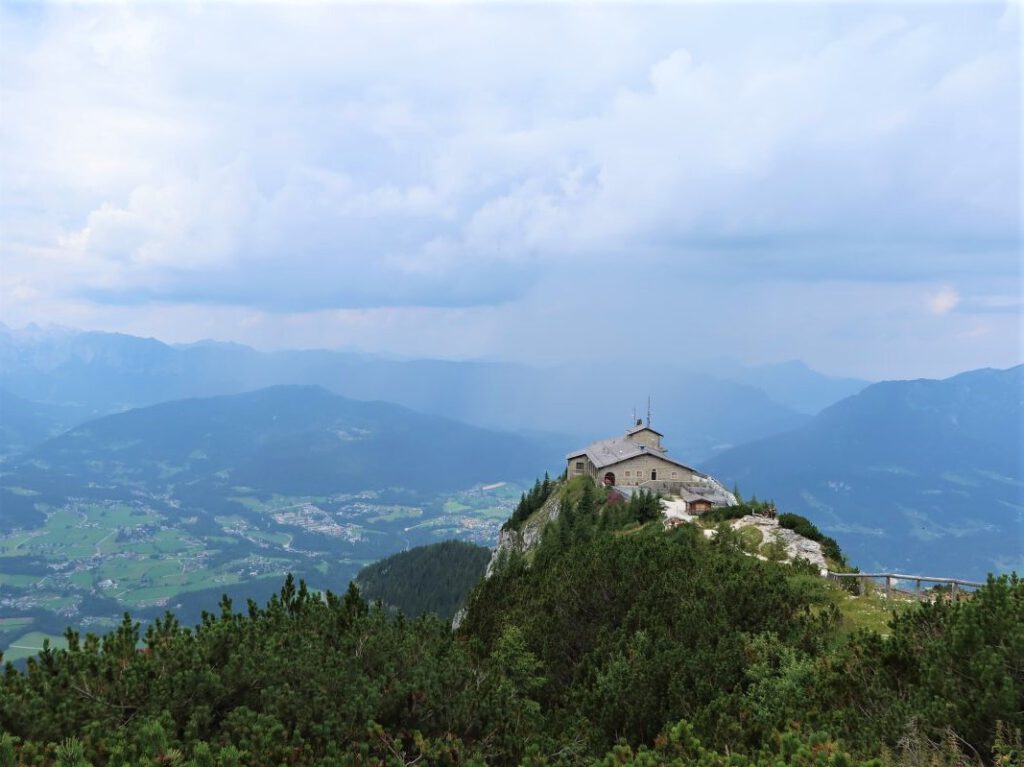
<point x="673" y="475"/>
<point x="654" y="473"/>
<point x="627" y="472"/>
<point x="579" y="465"/>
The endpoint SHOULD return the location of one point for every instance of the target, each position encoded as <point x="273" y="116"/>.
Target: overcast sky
<point x="833" y="183"/>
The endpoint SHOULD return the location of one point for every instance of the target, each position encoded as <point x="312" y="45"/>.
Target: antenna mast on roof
<point x="648" y="410"/>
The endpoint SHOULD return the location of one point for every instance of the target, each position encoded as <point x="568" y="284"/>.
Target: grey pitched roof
<point x="642" y="427"/>
<point x="608" y="452"/>
<point x="709" y="489"/>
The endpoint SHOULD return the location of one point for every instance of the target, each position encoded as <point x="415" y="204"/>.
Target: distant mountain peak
<point x="936" y="465"/>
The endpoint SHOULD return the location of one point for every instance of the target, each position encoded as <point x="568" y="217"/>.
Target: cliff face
<point x="520" y="541"/>
<point x="527" y="536"/>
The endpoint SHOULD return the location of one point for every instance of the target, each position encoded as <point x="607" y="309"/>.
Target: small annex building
<point x="637" y="460"/>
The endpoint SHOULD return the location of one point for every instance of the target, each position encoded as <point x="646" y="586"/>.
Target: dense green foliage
<point x="530" y="502"/>
<point x="619" y="644"/>
<point x="303" y="681"/>
<point x="641" y="629"/>
<point x="643" y="506"/>
<point x="727" y="513"/>
<point x="426" y="579"/>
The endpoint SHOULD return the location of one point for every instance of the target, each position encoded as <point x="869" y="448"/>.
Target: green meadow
<point x="31" y="643"/>
<point x="92" y="560"/>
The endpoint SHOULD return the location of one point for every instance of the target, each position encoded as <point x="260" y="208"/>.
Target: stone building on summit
<point x="637" y="460"/>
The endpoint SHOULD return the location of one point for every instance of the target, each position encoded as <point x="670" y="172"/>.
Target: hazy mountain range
<point x="791" y="383"/>
<point x="917" y="475"/>
<point x="88" y="374"/>
<point x="283" y="440"/>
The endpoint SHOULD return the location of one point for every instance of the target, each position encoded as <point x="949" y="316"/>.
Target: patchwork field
<point x="91" y="560"/>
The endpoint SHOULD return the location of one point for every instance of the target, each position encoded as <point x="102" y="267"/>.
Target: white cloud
<point x="944" y="301"/>
<point x="287" y="159"/>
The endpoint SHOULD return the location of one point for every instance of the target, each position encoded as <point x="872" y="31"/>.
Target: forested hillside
<point x="917" y="476"/>
<point x="284" y="439"/>
<point x="427" y="579"/>
<point x="25" y="424"/>
<point x="619" y="644"/>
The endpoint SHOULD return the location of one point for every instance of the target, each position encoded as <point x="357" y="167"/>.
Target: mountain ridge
<point x="906" y="474"/>
<point x="305" y="427"/>
<point x="113" y="372"/>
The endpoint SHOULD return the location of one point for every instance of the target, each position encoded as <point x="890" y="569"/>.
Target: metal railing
<point x="955" y="584"/>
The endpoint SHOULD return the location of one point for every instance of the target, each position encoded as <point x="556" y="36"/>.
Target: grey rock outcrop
<point x="526" y="537"/>
<point x="795" y="545"/>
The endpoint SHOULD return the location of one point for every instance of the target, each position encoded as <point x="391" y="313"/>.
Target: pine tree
<point x="585" y="506"/>
<point x="6" y="751"/>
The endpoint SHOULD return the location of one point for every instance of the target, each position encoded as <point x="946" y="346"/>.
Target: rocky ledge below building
<point x="791" y="545"/>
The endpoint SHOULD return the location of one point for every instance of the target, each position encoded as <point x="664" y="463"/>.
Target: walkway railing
<point x="862" y="579"/>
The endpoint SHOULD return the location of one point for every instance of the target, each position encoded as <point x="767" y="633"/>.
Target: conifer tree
<point x="585" y="507"/>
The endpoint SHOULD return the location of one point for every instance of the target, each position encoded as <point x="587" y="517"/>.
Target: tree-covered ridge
<point x="619" y="644"/>
<point x="648" y="626"/>
<point x="530" y="502"/>
<point x="283" y="439"/>
<point x="427" y="579"/>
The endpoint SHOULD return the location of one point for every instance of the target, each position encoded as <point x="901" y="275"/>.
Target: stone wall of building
<point x="573" y="470"/>
<point x="637" y="471"/>
<point x="646" y="437"/>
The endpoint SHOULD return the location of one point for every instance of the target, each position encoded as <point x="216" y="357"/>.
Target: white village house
<point x="637" y="460"/>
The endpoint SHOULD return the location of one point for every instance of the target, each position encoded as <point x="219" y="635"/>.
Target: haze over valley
<point x="111" y="502"/>
<point x="564" y="384"/>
